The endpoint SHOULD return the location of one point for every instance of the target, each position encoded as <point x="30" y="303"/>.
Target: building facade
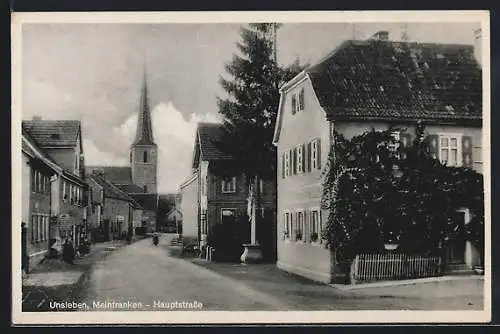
<point x="139" y="179"/>
<point x="61" y="141"/>
<point x="364" y="85"/>
<point x="221" y="196"/>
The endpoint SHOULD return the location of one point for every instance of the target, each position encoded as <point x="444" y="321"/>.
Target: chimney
<point x="37" y="118"/>
<point x="382" y="35"/>
<point x="477" y="46"/>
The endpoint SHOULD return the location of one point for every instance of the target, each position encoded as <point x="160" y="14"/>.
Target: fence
<point x="375" y="267"/>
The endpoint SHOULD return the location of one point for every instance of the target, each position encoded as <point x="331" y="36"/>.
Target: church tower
<point x="143" y="153"/>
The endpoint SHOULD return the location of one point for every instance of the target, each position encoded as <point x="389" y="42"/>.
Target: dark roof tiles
<point x="383" y="79"/>
<point x="114" y="174"/>
<point x="208" y="135"/>
<point x="53" y="133"/>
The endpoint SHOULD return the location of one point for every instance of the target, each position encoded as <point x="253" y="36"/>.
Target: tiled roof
<point x="147" y="201"/>
<point x="114" y="174"/>
<point x="130" y="188"/>
<point x="53" y="133"/>
<point x="111" y="191"/>
<point x="208" y="135"/>
<point x="382" y="79"/>
<point x="33" y="152"/>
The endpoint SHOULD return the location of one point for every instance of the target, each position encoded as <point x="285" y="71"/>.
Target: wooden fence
<point x="376" y="267"/>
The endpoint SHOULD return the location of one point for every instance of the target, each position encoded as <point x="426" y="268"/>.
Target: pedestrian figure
<point x="68" y="252"/>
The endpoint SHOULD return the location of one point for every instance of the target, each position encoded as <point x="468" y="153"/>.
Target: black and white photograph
<point x="314" y="167"/>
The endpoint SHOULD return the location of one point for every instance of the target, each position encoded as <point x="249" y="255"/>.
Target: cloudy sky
<point x="93" y="72"/>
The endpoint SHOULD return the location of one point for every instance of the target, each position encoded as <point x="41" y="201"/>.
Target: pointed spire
<point x="144" y="134"/>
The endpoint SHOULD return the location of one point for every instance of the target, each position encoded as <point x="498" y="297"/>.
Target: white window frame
<point x="300" y="159"/>
<point x="298" y="223"/>
<point x="287" y="225"/>
<point x="314" y="154"/>
<point x="233" y="210"/>
<point x="287" y="163"/>
<point x="319" y="224"/>
<point x="228" y="189"/>
<point x="450" y="136"/>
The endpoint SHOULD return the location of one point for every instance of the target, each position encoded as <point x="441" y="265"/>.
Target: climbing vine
<point x="377" y="192"/>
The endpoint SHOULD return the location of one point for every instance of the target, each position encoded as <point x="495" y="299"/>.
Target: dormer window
<point x="298" y="101"/>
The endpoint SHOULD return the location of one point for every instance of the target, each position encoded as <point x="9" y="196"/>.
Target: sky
<point x="93" y="73"/>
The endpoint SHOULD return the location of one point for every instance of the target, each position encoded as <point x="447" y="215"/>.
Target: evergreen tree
<point x="250" y="111"/>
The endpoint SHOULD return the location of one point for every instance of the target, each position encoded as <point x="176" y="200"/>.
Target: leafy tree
<point x="251" y="108"/>
<point x="378" y="195"/>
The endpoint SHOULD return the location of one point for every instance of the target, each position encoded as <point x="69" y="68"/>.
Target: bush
<point x="228" y="238"/>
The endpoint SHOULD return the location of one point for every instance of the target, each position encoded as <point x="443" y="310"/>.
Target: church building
<point x="139" y="179"/>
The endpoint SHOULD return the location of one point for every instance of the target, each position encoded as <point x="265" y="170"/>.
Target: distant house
<point x="361" y="85"/>
<point x="169" y="213"/>
<point x="61" y="140"/>
<point x="139" y="179"/>
<point x="121" y="214"/>
<point x="211" y="197"/>
<point x="38" y="172"/>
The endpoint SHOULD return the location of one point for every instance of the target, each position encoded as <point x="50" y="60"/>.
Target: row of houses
<point x="361" y="85"/>
<point x="64" y="199"/>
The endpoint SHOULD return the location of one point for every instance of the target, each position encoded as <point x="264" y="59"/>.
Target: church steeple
<point x="143" y="153"/>
<point x="144" y="133"/>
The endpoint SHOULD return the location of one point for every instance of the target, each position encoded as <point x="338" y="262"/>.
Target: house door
<point x="455" y="251"/>
<point x="106" y="229"/>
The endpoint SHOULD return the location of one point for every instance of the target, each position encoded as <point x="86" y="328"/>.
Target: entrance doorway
<point x="455" y="251"/>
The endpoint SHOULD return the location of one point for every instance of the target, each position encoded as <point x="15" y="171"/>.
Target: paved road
<point x="155" y="281"/>
<point x="146" y="275"/>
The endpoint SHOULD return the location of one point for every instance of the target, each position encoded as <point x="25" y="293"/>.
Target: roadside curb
<point x="345" y="287"/>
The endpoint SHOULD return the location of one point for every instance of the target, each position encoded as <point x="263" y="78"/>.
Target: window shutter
<point x="294" y="160"/>
<point x="301" y="100"/>
<point x="309" y="155"/>
<point x="283" y="165"/>
<point x="467" y="151"/>
<point x="433" y="143"/>
<point x="294" y="104"/>
<point x="304" y="170"/>
<point x="318" y="154"/>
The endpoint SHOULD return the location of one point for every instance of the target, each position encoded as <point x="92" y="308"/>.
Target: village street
<point x="154" y="280"/>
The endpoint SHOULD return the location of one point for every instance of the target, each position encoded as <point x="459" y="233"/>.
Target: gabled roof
<point x="30" y="146"/>
<point x="114" y="174"/>
<point x="147" y="201"/>
<point x="207" y="136"/>
<point x="130" y="188"/>
<point x="174" y="209"/>
<point x="111" y="191"/>
<point x="53" y="133"/>
<point x="381" y="80"/>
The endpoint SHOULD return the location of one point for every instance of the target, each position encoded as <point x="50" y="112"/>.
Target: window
<point x="261" y="186"/>
<point x="287" y="164"/>
<point x="286" y="225"/>
<point x="316" y="227"/>
<point x="448" y="150"/>
<point x="315" y="154"/>
<point x="229" y="185"/>
<point x="40" y="228"/>
<point x="299" y="228"/>
<point x="145" y="188"/>
<point x="300" y="159"/>
<point x="145" y="156"/>
<point x="298" y="101"/>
